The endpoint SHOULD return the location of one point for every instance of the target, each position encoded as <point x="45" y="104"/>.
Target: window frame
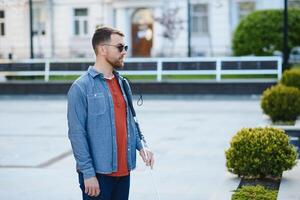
<point x="294" y="4"/>
<point x="80" y="23"/>
<point x="39" y="24"/>
<point x="202" y="18"/>
<point x="2" y="25"/>
<point x="245" y="13"/>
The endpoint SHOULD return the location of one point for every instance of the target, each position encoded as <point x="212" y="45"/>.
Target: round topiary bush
<point x="281" y="103"/>
<point x="291" y="78"/>
<point x="261" y="32"/>
<point x="260" y="152"/>
<point x="254" y="193"/>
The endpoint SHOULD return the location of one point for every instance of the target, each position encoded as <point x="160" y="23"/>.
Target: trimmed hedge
<point x="291" y="78"/>
<point x="260" y="152"/>
<point x="254" y="193"/>
<point x="281" y="103"/>
<point x="261" y="33"/>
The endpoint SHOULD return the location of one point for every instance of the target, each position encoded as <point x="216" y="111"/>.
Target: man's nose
<point x="124" y="52"/>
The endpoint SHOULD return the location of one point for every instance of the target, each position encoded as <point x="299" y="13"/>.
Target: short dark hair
<point x="103" y="34"/>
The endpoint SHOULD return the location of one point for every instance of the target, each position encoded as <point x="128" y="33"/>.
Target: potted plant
<point x="259" y="156"/>
<point x="282" y="104"/>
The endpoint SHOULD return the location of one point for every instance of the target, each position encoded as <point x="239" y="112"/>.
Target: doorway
<point x="142" y="32"/>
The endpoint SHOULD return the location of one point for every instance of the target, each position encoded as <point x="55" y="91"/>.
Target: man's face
<point x="115" y="52"/>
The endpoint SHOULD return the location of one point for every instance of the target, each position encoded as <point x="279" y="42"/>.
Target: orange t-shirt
<point x="121" y="126"/>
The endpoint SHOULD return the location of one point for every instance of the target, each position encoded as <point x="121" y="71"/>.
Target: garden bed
<point x="268" y="183"/>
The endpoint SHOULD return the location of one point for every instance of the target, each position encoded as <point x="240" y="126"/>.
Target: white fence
<point x="159" y="66"/>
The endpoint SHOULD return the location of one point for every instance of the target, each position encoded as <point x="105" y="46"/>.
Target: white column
<point x="220" y="32"/>
<point x="121" y="19"/>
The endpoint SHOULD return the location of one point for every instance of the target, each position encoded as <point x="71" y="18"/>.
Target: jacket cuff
<point x="88" y="173"/>
<point x="139" y="145"/>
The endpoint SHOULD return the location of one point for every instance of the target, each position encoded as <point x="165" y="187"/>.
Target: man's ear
<point x="102" y="50"/>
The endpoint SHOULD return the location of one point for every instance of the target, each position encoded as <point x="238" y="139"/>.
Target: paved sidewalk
<point x="289" y="186"/>
<point x="187" y="133"/>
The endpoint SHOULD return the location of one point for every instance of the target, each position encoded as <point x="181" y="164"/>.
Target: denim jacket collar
<point x="92" y="71"/>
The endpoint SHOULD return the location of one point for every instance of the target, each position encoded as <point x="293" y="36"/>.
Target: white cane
<point x="140" y="135"/>
<point x="144" y="148"/>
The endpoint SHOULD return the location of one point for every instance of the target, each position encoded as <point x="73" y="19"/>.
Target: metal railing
<point x="159" y="67"/>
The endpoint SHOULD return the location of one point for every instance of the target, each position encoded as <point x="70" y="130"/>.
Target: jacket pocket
<point x="96" y="104"/>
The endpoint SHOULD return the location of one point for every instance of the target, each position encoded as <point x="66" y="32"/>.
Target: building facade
<point x="63" y="28"/>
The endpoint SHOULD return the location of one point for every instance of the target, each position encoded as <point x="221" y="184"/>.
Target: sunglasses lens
<point x="121" y="48"/>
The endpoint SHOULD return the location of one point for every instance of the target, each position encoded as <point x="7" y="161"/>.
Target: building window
<point x="2" y="24"/>
<point x="294" y="3"/>
<point x="81" y="22"/>
<point x="199" y="17"/>
<point x="245" y="8"/>
<point x="39" y="20"/>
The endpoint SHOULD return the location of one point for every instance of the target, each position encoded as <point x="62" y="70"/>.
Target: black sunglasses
<point x="120" y="47"/>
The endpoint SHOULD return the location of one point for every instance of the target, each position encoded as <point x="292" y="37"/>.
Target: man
<point x="102" y="130"/>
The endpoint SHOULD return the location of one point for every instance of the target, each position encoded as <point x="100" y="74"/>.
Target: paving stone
<point x="289" y="186"/>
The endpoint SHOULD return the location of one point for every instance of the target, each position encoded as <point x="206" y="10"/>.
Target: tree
<point x="171" y="23"/>
<point x="261" y="33"/>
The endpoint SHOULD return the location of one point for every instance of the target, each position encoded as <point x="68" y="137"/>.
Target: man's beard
<point x="116" y="64"/>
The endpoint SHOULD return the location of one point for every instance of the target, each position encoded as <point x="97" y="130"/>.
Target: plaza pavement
<point x="187" y="133"/>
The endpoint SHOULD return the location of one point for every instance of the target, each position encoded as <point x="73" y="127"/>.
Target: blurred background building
<point x="63" y="28"/>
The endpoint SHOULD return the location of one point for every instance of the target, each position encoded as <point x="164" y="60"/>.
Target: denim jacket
<point x="91" y="123"/>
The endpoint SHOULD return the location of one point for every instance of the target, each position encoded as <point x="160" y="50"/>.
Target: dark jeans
<point x="111" y="188"/>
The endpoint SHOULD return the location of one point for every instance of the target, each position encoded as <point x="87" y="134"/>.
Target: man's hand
<point x="150" y="157"/>
<point x="92" y="186"/>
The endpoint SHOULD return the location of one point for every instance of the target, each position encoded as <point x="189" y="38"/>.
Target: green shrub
<point x="281" y="103"/>
<point x="261" y="32"/>
<point x="260" y="152"/>
<point x="291" y="78"/>
<point x="254" y="193"/>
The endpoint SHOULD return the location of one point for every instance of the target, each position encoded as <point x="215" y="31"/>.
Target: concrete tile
<point x="289" y="186"/>
<point x="30" y="151"/>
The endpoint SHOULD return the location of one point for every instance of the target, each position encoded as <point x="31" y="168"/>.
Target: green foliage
<point x="281" y="103"/>
<point x="260" y="152"/>
<point x="254" y="193"/>
<point x="261" y="32"/>
<point x="291" y="78"/>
